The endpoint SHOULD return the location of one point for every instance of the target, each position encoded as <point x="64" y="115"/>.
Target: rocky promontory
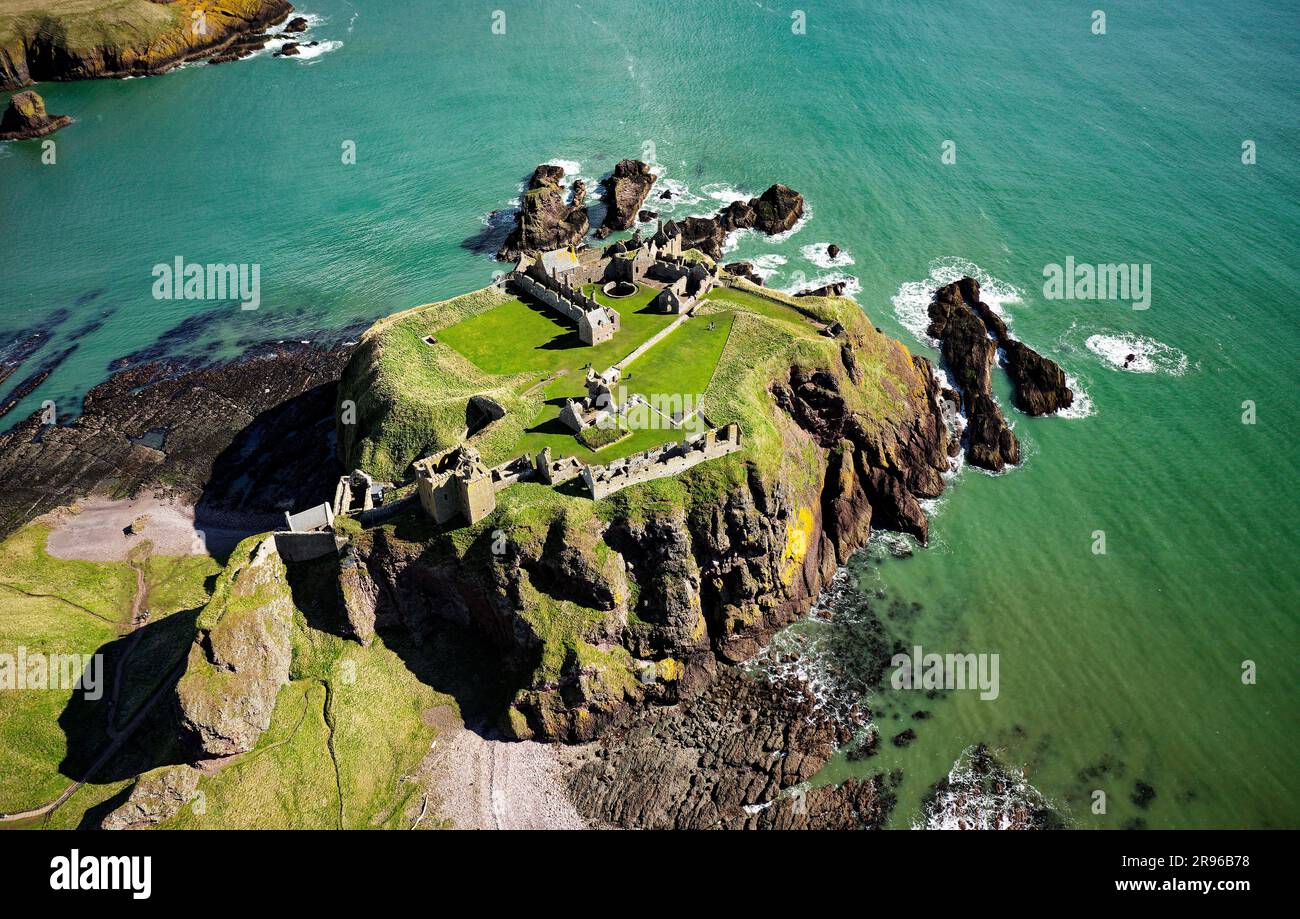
<point x="119" y="38"/>
<point x="25" y="118"/>
<point x="548" y="217"/>
<point x="604" y="608"/>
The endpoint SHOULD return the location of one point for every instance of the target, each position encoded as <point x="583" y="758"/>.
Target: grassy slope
<point x="32" y="742"/>
<point x="378" y="710"/>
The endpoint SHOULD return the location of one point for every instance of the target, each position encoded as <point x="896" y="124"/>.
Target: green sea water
<point x="1119" y="147"/>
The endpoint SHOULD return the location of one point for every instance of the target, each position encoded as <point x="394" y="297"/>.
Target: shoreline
<point x="34" y="56"/>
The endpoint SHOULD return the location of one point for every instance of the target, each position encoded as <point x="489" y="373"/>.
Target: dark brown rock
<point x="777" y="210"/>
<point x="969" y="354"/>
<point x="732" y="758"/>
<point x="25" y="118"/>
<point x="296" y="24"/>
<point x="624" y="192"/>
<point x="546" y="220"/>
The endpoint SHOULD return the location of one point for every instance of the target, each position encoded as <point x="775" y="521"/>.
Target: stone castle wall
<point x="668" y="460"/>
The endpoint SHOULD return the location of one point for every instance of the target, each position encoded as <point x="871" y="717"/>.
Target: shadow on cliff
<point x="138" y="681"/>
<point x="283" y="460"/>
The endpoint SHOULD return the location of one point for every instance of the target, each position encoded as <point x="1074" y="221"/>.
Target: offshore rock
<point x="26" y="118"/>
<point x="546" y="220"/>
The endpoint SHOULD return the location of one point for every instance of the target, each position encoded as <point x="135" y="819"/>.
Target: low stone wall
<point x="671" y="459"/>
<point x="303" y="547"/>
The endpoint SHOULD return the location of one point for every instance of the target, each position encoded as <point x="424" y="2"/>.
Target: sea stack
<point x="26" y="118"/>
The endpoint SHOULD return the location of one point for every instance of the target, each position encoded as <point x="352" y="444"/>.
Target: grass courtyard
<point x="521" y="336"/>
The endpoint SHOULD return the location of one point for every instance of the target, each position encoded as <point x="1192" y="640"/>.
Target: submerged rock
<point x="26" y="118"/>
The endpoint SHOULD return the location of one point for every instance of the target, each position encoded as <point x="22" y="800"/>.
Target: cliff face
<point x="116" y="39"/>
<point x="604" y="608"/>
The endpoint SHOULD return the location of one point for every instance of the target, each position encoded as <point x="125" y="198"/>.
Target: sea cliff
<point x="42" y="40"/>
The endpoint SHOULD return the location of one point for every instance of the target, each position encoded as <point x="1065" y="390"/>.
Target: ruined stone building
<point x="548" y="279"/>
<point x="660" y="462"/>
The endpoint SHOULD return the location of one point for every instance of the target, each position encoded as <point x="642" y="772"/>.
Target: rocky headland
<point x="25" y="118"/>
<point x="41" y="40"/>
<point x="615" y="626"/>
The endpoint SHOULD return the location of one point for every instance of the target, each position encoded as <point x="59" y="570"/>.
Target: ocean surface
<point x="1125" y="147"/>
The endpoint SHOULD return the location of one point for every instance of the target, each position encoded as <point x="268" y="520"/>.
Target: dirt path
<point x="500" y="785"/>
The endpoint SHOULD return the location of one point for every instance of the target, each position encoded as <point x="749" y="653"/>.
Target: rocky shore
<point x="132" y="38"/>
<point x="190" y="430"/>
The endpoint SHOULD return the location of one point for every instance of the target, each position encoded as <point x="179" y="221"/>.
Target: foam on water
<point x="1082" y="406"/>
<point x="767" y="265"/>
<point x="1149" y="355"/>
<point x="724" y="193"/>
<point x="912" y="302"/>
<point x="819" y="255"/>
<point x="972" y="799"/>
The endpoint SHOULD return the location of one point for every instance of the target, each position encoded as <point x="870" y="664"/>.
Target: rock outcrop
<point x="743" y="270"/>
<point x="144" y="37"/>
<point x="156" y="796"/>
<point x="624" y="192"/>
<point x="833" y="289"/>
<point x="547" y="217"/>
<point x="25" y="118"/>
<point x="241" y="655"/>
<point x="777" y="210"/>
<point x="969" y="354"/>
<point x="971" y="333"/>
<point x="1038" y="383"/>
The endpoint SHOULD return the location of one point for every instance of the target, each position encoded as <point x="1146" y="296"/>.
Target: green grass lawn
<point x="757" y="304"/>
<point x="520" y="336"/>
<point x="680" y="365"/>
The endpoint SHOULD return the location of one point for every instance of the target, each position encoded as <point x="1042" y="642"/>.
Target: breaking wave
<point x="1137" y="353"/>
<point x="912" y="302"/>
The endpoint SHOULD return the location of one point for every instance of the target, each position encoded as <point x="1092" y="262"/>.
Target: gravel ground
<point x="94" y="531"/>
<point x="500" y="785"/>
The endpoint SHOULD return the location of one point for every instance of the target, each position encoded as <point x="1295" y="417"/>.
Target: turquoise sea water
<point x="1122" y="147"/>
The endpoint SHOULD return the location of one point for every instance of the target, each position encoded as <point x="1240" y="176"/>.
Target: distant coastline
<point x="39" y="41"/>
